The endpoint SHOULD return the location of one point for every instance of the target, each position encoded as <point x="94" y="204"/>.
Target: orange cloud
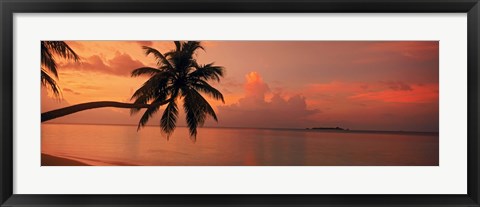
<point x="71" y="91"/>
<point x="144" y="43"/>
<point x="255" y="87"/>
<point x="253" y="110"/>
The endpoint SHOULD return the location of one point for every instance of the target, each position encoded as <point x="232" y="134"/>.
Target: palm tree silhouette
<point x="177" y="77"/>
<point x="49" y="65"/>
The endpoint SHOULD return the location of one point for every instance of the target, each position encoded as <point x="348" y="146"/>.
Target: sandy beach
<point x="49" y="160"/>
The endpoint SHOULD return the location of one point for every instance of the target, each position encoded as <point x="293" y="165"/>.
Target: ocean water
<point x="123" y="145"/>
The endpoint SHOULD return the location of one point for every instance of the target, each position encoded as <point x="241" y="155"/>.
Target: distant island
<point x="346" y="130"/>
<point x="328" y="128"/>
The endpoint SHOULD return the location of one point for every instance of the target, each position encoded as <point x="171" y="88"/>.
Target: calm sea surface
<point x="123" y="145"/>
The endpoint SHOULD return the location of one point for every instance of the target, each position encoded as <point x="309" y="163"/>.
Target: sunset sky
<point x="365" y="85"/>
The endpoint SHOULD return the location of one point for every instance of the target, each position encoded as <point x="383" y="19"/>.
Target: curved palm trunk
<point x="49" y="115"/>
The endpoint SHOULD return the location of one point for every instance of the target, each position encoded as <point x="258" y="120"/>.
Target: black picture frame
<point x="9" y="7"/>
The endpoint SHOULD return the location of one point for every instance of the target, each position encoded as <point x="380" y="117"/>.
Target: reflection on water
<point x="123" y="145"/>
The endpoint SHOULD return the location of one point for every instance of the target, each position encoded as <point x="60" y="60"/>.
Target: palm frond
<point x="169" y="118"/>
<point x="206" y="88"/>
<point x="182" y="59"/>
<point x="203" y="106"/>
<point x="153" y="85"/>
<point x="178" y="45"/>
<point x="144" y="99"/>
<point x="48" y="81"/>
<point x="149" y="112"/>
<point x="192" y="112"/>
<point x="208" y="72"/>
<point x="154" y="88"/>
<point x="161" y="59"/>
<point x="192" y="46"/>
<point x="145" y="71"/>
<point x="196" y="108"/>
<point x="62" y="49"/>
<point x="161" y="95"/>
<point x="146" y="116"/>
<point x="48" y="60"/>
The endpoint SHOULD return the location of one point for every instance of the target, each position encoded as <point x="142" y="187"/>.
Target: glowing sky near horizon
<point x="273" y="84"/>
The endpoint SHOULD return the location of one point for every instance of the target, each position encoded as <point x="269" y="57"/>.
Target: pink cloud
<point x="397" y="85"/>
<point x="419" y="50"/>
<point x="412" y="94"/>
<point x="388" y="105"/>
<point x="120" y="64"/>
<point x="387" y="91"/>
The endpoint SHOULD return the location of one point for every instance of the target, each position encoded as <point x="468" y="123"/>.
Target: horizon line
<point x="271" y="128"/>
